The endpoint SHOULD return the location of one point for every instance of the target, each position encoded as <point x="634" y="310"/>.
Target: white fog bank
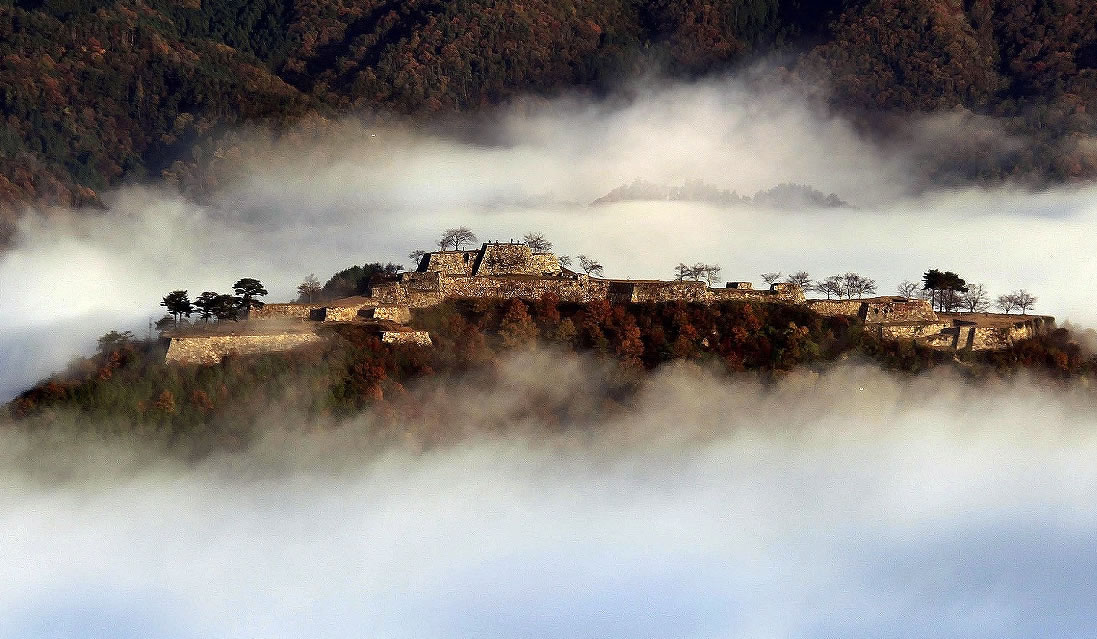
<point x="848" y="505"/>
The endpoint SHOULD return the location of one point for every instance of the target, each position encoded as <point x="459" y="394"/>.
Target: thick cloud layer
<point x="850" y="504"/>
<point x="359" y="194"/>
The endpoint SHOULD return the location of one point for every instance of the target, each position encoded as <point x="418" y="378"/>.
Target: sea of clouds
<point x="844" y="504"/>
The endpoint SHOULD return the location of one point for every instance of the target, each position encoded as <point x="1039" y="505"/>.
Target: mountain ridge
<point x="97" y="94"/>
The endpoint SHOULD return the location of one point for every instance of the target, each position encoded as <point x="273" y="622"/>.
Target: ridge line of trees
<point x="212" y="305"/>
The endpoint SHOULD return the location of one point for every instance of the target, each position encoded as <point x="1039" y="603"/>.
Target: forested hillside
<point x="94" y="93"/>
<point x="127" y="389"/>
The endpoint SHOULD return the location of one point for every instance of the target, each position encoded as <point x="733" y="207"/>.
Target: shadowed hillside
<point x="97" y="93"/>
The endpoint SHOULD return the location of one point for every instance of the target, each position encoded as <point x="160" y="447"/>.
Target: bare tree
<point x="590" y="266"/>
<point x="801" y="279"/>
<point x="909" y="289"/>
<point x="565" y="260"/>
<point x="976" y="299"/>
<point x="856" y="285"/>
<point x="951" y="301"/>
<point x="1024" y="300"/>
<point x="770" y="278"/>
<point x="416" y="258"/>
<point x="709" y="273"/>
<point x="308" y="288"/>
<point x="537" y="242"/>
<point x="831" y="286"/>
<point x="1006" y="302"/>
<point x="456" y="238"/>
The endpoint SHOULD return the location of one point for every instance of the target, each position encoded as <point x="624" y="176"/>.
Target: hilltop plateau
<point x="463" y="314"/>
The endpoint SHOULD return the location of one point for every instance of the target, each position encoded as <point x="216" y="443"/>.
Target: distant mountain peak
<point x="784" y="196"/>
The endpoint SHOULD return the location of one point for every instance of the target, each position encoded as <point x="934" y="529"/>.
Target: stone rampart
<point x="420" y="281"/>
<point x="897" y="309"/>
<point x="211" y="349"/>
<point x="568" y="289"/>
<point x="997" y="337"/>
<point x="421" y="338"/>
<point x="910" y="330"/>
<point x="624" y="291"/>
<point x="505" y="259"/>
<point x="390" y="294"/>
<point x="545" y="264"/>
<point x="961" y="335"/>
<point x="877" y="310"/>
<point x="341" y="313"/>
<point x="790" y="294"/>
<point x="278" y="311"/>
<point x="398" y="314"/>
<point x="832" y="308"/>
<point x="449" y="262"/>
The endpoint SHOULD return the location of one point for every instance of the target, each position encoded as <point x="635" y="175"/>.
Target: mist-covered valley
<point x="633" y="478"/>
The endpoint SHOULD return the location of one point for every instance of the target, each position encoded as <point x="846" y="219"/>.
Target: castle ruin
<point x="513" y="270"/>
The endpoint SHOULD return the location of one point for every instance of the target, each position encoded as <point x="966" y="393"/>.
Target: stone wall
<point x="897" y="309"/>
<point x="421" y="338"/>
<point x="423" y="299"/>
<point x="391" y="294"/>
<point x="740" y="285"/>
<point x="993" y="338"/>
<point x="212" y="349"/>
<point x="911" y="331"/>
<point x="790" y="294"/>
<point x="398" y="314"/>
<point x="506" y="259"/>
<point x="449" y="262"/>
<point x="277" y="311"/>
<point x="878" y="309"/>
<point x="963" y="335"/>
<point x="420" y="281"/>
<point x="581" y="289"/>
<point x="621" y="292"/>
<point x="342" y="313"/>
<point x="836" y="307"/>
<point x="545" y="264"/>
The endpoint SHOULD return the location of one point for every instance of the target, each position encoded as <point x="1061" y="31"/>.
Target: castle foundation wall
<point x="211" y="349"/>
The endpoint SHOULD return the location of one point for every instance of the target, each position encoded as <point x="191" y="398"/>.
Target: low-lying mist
<point x="352" y="194"/>
<point x="850" y="503"/>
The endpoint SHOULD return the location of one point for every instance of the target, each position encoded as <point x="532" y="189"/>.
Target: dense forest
<point x="127" y="390"/>
<point x="94" y="93"/>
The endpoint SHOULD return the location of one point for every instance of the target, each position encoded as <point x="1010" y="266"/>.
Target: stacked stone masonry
<point x="211" y="349"/>
<point x="419" y="338"/>
<point x="398" y="314"/>
<point x="510" y="270"/>
<point x="291" y="311"/>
